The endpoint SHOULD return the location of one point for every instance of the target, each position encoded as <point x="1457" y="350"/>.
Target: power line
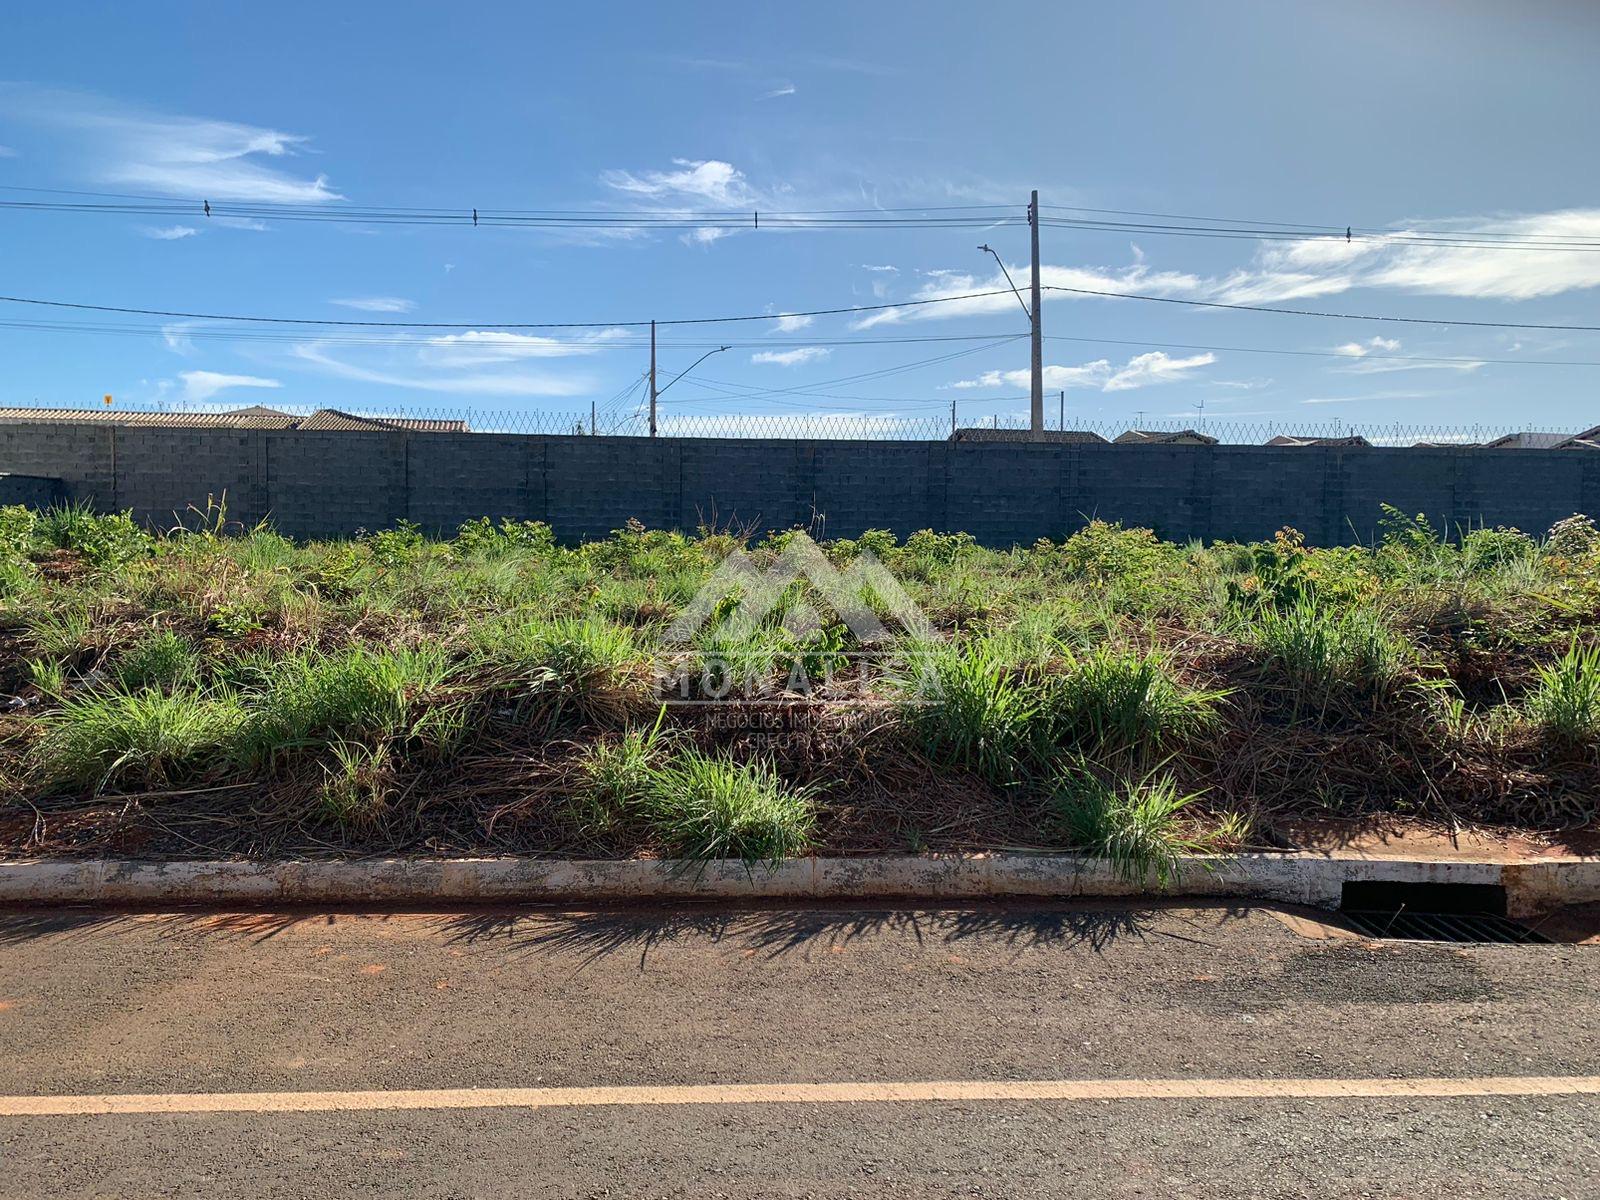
<point x="1302" y="312"/>
<point x="630" y="342"/>
<point x="753" y="218"/>
<point x="342" y="324"/>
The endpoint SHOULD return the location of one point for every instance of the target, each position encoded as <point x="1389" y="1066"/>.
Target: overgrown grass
<point x="148" y="737"/>
<point x="497" y="689"/>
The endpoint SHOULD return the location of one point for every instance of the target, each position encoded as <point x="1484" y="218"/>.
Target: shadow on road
<point x="596" y="934"/>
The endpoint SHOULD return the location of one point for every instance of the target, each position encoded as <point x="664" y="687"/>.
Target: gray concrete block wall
<point x="323" y="484"/>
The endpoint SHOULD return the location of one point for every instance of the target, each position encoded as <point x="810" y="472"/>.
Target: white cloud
<point x="703" y="235"/>
<point x="787" y="89"/>
<point x="7" y="152"/>
<point x="791" y="323"/>
<point x="947" y="284"/>
<point x="708" y="180"/>
<point x="168" y="233"/>
<point x="871" y="267"/>
<point x="199" y="386"/>
<point x="377" y="304"/>
<point x="480" y="347"/>
<point x="1315" y="267"/>
<point x="1366" y="364"/>
<point x="177" y="155"/>
<point x="1142" y="370"/>
<point x="414" y="372"/>
<point x="177" y="337"/>
<point x="1361" y="349"/>
<point x="799" y="356"/>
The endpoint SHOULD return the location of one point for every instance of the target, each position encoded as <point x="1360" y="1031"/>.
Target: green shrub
<point x="1490" y="549"/>
<point x="151" y="737"/>
<point x="105" y="540"/>
<point x="1137" y="827"/>
<point x="1572" y="537"/>
<point x="483" y="537"/>
<point x="1566" y="702"/>
<point x="703" y="808"/>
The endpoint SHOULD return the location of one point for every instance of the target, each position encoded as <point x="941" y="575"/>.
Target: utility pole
<point x="952" y="418"/>
<point x="1061" y="416"/>
<point x="1036" y="407"/>
<point x="652" y="379"/>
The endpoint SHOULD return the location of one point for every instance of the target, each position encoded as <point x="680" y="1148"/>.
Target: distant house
<point x="980" y="434"/>
<point x="255" y="417"/>
<point x="1165" y="437"/>
<point x="1534" y="439"/>
<point x="1284" y="439"/>
<point x="1443" y="445"/>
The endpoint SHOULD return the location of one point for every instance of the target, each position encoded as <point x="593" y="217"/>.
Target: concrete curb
<point x="1532" y="886"/>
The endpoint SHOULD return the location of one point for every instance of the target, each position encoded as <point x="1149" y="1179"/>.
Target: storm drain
<point x="1433" y="912"/>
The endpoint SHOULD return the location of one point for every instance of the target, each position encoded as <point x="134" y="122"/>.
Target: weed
<point x="1566" y="702"/>
<point x="704" y="808"/>
<point x="161" y="660"/>
<point x="1114" y="703"/>
<point x="616" y="775"/>
<point x="1137" y="827"/>
<point x="972" y="707"/>
<point x="99" y="737"/>
<point x="357" y="783"/>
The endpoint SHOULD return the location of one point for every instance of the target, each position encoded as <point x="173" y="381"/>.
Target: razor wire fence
<point x="810" y="426"/>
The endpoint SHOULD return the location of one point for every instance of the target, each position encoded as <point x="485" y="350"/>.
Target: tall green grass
<point x="1565" y="704"/>
<point x="705" y="807"/>
<point x="1137" y="826"/>
<point x="1325" y="654"/>
<point x="313" y="699"/>
<point x="149" y="737"/>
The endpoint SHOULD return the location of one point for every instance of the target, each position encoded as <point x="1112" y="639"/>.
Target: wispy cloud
<point x="200" y="386"/>
<point x="791" y="323"/>
<point x="787" y="89"/>
<point x="456" y="366"/>
<point x="1382" y="345"/>
<point x="168" y="233"/>
<point x="799" y="356"/>
<point x="1142" y="370"/>
<point x="7" y="152"/>
<point x="1317" y="267"/>
<point x="377" y="304"/>
<point x="481" y="347"/>
<point x="707" y="180"/>
<point x="173" y="154"/>
<point x="1371" y="359"/>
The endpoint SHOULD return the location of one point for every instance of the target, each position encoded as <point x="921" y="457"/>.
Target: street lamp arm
<point x="692" y="366"/>
<point x="1007" y="274"/>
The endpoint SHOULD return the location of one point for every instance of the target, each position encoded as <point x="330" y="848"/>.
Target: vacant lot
<point x="219" y="690"/>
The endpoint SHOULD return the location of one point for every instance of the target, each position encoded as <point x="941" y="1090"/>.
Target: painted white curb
<point x="1532" y="886"/>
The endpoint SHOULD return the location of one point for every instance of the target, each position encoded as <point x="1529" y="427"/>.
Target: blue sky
<point x="1468" y="117"/>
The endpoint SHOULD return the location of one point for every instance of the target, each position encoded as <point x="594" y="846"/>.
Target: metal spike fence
<point x="819" y="426"/>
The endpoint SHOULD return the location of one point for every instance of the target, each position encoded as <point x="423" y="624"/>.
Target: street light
<point x="987" y="249"/>
<point x="654" y="391"/>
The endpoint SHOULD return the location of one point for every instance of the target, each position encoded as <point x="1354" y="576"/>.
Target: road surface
<point x="990" y="1051"/>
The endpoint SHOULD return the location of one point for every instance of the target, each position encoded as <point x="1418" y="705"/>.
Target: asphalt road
<point x="410" y="1007"/>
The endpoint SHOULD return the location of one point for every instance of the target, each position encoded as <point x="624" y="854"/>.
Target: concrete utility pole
<point x="652" y="379"/>
<point x="1061" y="415"/>
<point x="1036" y="407"/>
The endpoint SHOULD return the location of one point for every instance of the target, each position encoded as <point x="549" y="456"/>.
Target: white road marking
<point x="970" y="1091"/>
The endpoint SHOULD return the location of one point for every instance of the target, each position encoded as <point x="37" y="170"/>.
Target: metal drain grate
<point x="1406" y="926"/>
